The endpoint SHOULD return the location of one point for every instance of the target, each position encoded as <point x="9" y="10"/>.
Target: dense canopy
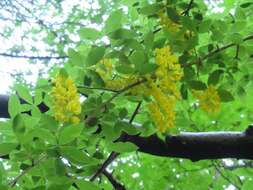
<point x="128" y="95"/>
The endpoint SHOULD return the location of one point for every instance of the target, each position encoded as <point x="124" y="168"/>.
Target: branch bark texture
<point x="187" y="145"/>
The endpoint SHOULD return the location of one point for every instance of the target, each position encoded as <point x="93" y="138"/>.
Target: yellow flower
<point x="209" y="99"/>
<point x="162" y="109"/>
<point x="66" y="103"/>
<point x="167" y="23"/>
<point x="169" y="71"/>
<point x="75" y="120"/>
<point x="164" y="89"/>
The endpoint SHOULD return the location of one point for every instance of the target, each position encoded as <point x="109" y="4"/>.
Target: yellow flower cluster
<point x="167" y="23"/>
<point x="162" y="86"/>
<point x="209" y="99"/>
<point x="104" y="68"/>
<point x="168" y="74"/>
<point x="66" y="100"/>
<point x="162" y="110"/>
<point x="169" y="71"/>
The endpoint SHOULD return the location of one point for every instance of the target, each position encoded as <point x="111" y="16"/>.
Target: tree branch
<point x="113" y="155"/>
<point x="16" y="179"/>
<point x="32" y="57"/>
<point x="115" y="184"/>
<point x="186" y="11"/>
<point x="218" y="50"/>
<point x="193" y="146"/>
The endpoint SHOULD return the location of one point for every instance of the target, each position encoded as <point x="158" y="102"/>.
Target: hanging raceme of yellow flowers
<point x="66" y="102"/>
<point x="164" y="89"/>
<point x="162" y="86"/>
<point x="209" y="99"/>
<point x="162" y="109"/>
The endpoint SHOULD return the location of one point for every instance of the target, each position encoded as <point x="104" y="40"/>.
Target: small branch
<point x="32" y="57"/>
<point x="224" y="176"/>
<point x="113" y="155"/>
<point x="108" y="161"/>
<point x="16" y="179"/>
<point x="186" y="11"/>
<point x="218" y="50"/>
<point x="136" y="111"/>
<point x="237" y="52"/>
<point x="125" y="89"/>
<point x="115" y="184"/>
<point x="98" y="88"/>
<point x="246" y="164"/>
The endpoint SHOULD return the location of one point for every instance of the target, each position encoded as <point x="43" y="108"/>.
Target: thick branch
<point x="193" y="146"/>
<point x="32" y="57"/>
<point x="198" y="146"/>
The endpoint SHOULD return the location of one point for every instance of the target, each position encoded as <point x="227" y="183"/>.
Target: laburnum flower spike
<point x="66" y="102"/>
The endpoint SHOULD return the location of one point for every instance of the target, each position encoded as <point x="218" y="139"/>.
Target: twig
<point x="136" y="111"/>
<point x="115" y="184"/>
<point x="224" y="176"/>
<point x="32" y="57"/>
<point x="237" y="52"/>
<point x="109" y="160"/>
<point x="218" y="50"/>
<point x="186" y="11"/>
<point x="15" y="180"/>
<point x="113" y="155"/>
<point x="124" y="90"/>
<point x="98" y="88"/>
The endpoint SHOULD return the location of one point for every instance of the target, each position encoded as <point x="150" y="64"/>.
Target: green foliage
<point x="213" y="49"/>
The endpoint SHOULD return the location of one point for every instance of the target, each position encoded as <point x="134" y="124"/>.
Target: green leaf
<point x="245" y="5"/>
<point x="184" y="91"/>
<point x="48" y="122"/>
<point x="75" y="57"/>
<point x="122" y="33"/>
<point x="150" y="9"/>
<point x="6" y="148"/>
<point x="122" y="147"/>
<point x="69" y="133"/>
<point x="77" y="156"/>
<point x="214" y="77"/>
<point x="138" y="58"/>
<point x="41" y="133"/>
<point x="247" y="184"/>
<point x="38" y="97"/>
<point x="133" y="44"/>
<point x="18" y="124"/>
<point x="197" y="85"/>
<point x="63" y="73"/>
<point x="89" y="33"/>
<point x="149" y="40"/>
<point x="13" y="106"/>
<point x="172" y="14"/>
<point x="114" y="21"/>
<point x="95" y="55"/>
<point x="123" y="113"/>
<point x="225" y="95"/>
<point x="4" y="187"/>
<point x="127" y="127"/>
<point x="148" y="68"/>
<point x="124" y="69"/>
<point x="189" y="73"/>
<point x="24" y="93"/>
<point x="236" y="38"/>
<point x="86" y="185"/>
<point x="95" y="78"/>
